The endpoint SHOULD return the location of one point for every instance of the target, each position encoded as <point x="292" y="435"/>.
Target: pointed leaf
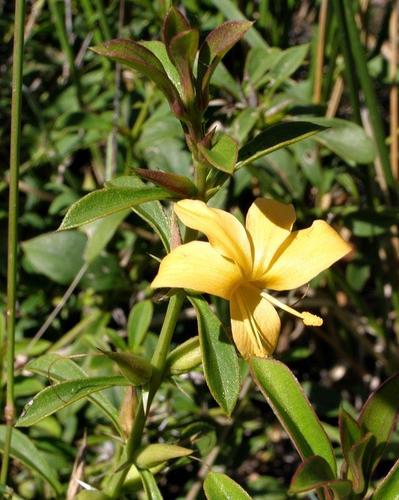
<point x="379" y="414"/>
<point x="136" y="369"/>
<point x="156" y="454"/>
<point x="151" y="212"/>
<point x="218" y="486"/>
<point x="56" y="255"/>
<point x="289" y="403"/>
<point x="359" y="462"/>
<point x="176" y="183"/>
<point x="107" y="201"/>
<point x="313" y="473"/>
<point x="136" y="56"/>
<point x="182" y="50"/>
<point x="138" y="323"/>
<point x="160" y="52"/>
<point x="150" y="485"/>
<point x="24" y="450"/>
<point x="91" y="495"/>
<point x="230" y="11"/>
<point x="389" y="486"/>
<point x="59" y="368"/>
<point x="184" y="357"/>
<point x="350" y="432"/>
<point x="346" y="139"/>
<point x="216" y="45"/>
<point x="100" y="232"/>
<point x="276" y="137"/>
<point x="286" y="63"/>
<point x="56" y="397"/>
<point x="223" y="154"/>
<point x="174" y="23"/>
<point x="219" y="357"/>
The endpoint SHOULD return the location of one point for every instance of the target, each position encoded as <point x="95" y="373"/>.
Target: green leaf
<point x="138" y="323"/>
<point x="56" y="255"/>
<point x="359" y="461"/>
<point x="230" y="10"/>
<point x="369" y="223"/>
<point x="222" y="78"/>
<point x="218" y="486"/>
<point x="54" y="398"/>
<point x="313" y="473"/>
<point x="185" y="357"/>
<point x="173" y="24"/>
<point x="136" y="369"/>
<point x="59" y="368"/>
<point x="138" y="57"/>
<point x="183" y="49"/>
<point x="379" y="414"/>
<point x="91" y="495"/>
<point x="100" y="232"/>
<point x="179" y="184"/>
<point x="349" y="430"/>
<point x="150" y="485"/>
<point x="276" y="137"/>
<point x="23" y="450"/>
<point x="105" y="273"/>
<point x="258" y="62"/>
<point x="346" y="139"/>
<point x="151" y="212"/>
<point x="156" y="454"/>
<point x="289" y="403"/>
<point x="107" y="201"/>
<point x="286" y="63"/>
<point x="389" y="486"/>
<point x="159" y="50"/>
<point x="219" y="357"/>
<point x="223" y="154"/>
<point x="216" y="45"/>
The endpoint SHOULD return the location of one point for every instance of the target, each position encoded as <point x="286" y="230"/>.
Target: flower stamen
<point x="308" y="318"/>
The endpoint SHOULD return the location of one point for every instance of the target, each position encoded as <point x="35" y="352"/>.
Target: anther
<point x="310" y="319"/>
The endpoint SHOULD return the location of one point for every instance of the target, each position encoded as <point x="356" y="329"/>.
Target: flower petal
<point x="303" y="255"/>
<point x="268" y="223"/>
<point x="200" y="267"/>
<point x="255" y="323"/>
<point x="223" y="230"/>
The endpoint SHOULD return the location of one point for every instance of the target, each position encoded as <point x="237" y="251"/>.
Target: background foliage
<point x="85" y="122"/>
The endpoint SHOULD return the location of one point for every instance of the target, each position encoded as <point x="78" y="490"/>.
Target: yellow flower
<point x="239" y="264"/>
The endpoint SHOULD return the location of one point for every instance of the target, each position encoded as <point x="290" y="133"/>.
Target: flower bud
<point x="185" y="358"/>
<point x="135" y="368"/>
<point x="155" y="454"/>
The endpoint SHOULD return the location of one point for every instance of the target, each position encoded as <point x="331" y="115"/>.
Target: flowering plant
<point x="246" y="265"/>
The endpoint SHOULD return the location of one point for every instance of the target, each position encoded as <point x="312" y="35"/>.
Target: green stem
<point x="350" y="76"/>
<point x="90" y="16"/>
<point x="16" y="101"/>
<point x="360" y="61"/>
<point x="113" y="489"/>
<point x="103" y="19"/>
<point x="200" y="179"/>
<point x="55" y="8"/>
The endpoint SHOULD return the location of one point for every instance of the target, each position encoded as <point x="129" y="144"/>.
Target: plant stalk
<point x="58" y="17"/>
<point x="360" y="64"/>
<point x="16" y="102"/>
<point x="113" y="489"/>
<point x="318" y="81"/>
<point x="350" y="77"/>
<point x="394" y="91"/>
